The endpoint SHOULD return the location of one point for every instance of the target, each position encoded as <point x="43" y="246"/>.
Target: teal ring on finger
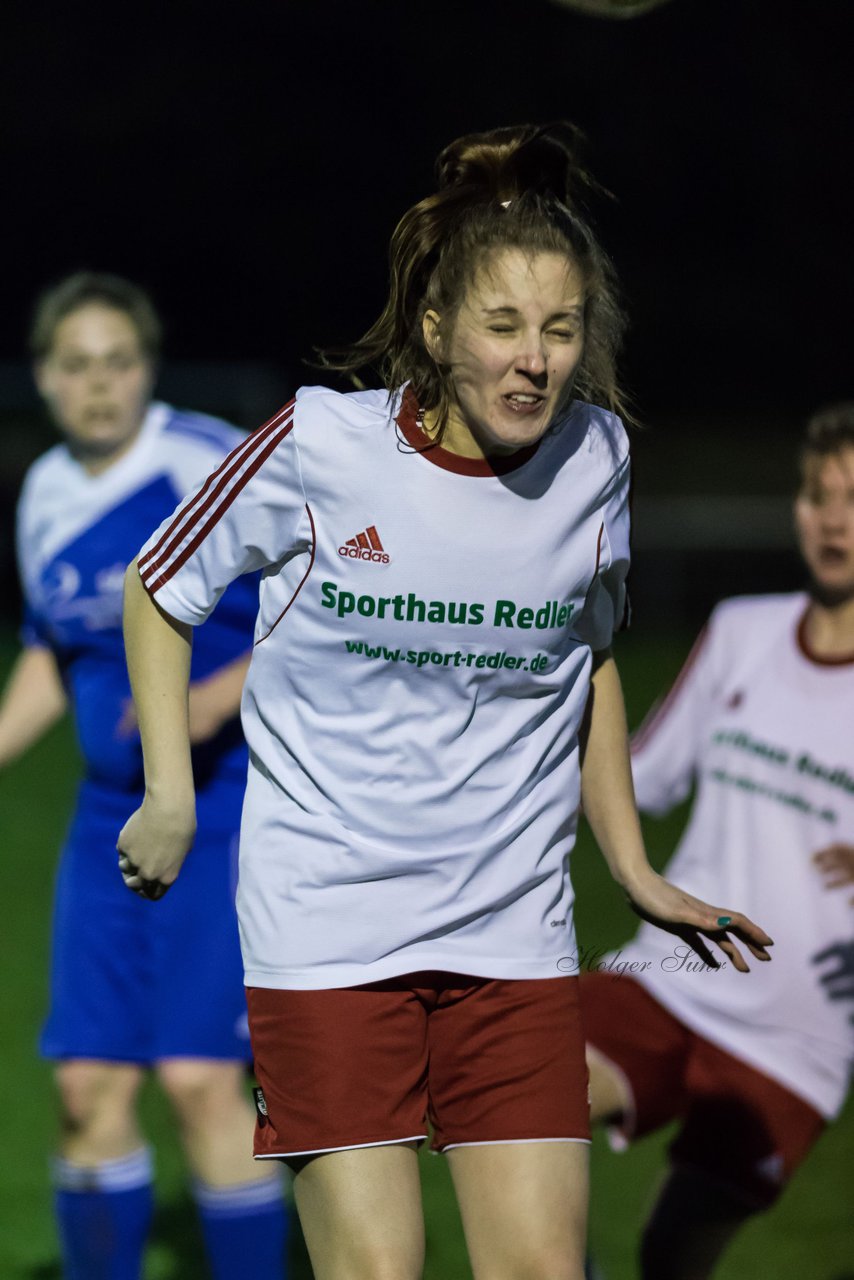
<point x="723" y="921"/>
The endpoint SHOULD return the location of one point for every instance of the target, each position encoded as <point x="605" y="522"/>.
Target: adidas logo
<point x="365" y="546"/>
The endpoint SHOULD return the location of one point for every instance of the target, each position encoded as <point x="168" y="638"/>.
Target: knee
<point x="201" y="1091"/>
<point x="95" y="1094"/>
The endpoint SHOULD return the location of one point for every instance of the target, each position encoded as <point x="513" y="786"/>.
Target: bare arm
<point x="33" y="700"/>
<point x="212" y="701"/>
<point x="155" y="840"/>
<point x="608" y="800"/>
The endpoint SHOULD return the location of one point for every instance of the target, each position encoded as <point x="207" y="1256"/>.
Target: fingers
<point x="731" y="925"/>
<point x="731" y="951"/>
<point x="151" y="889"/>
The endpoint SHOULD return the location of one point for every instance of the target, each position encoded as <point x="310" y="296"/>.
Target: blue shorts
<point x="138" y="981"/>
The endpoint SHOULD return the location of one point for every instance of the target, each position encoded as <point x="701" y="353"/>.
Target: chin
<point x="831" y="595"/>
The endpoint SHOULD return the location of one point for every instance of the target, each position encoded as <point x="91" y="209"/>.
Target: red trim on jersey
<point x="302" y="580"/>
<point x="246" y="446"/>
<point x="156" y="573"/>
<point x="413" y="434"/>
<point x="810" y="654"/>
<point x="661" y="709"/>
<point x="599" y="548"/>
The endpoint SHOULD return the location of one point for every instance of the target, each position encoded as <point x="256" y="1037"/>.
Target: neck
<point x="456" y="438"/>
<point x="94" y="462"/>
<point x="829" y="628"/>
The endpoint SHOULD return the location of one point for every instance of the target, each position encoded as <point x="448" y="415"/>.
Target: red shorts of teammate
<point x="485" y="1060"/>
<point x="736" y="1124"/>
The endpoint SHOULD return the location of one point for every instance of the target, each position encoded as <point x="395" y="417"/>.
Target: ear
<point x="431" y="331"/>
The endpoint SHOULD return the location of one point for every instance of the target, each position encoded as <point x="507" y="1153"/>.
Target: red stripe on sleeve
<point x="226" y="469"/>
<point x="158" y="573"/>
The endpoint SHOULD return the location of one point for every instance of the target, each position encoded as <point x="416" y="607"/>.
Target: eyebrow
<point x="575" y="312"/>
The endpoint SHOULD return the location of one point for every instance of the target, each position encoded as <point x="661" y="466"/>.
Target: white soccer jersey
<point x="766" y="730"/>
<point x="421" y="666"/>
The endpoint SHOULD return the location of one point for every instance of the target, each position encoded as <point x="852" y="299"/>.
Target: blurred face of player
<point x="96" y="381"/>
<point x="513" y="349"/>
<point x="824" y="517"/>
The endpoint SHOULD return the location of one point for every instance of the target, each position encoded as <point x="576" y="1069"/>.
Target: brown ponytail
<point x="519" y="187"/>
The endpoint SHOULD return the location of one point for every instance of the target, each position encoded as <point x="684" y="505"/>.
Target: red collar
<point x="414" y="434"/>
<point x="804" y="645"/>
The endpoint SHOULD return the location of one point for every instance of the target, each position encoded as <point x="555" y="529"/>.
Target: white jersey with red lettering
<point x="764" y="727"/>
<point x="421" y="666"/>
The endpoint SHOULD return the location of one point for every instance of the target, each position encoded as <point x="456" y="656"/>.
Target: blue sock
<point x="245" y="1228"/>
<point x="104" y="1212"/>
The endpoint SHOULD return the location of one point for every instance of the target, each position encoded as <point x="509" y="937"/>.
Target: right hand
<point x="670" y="908"/>
<point x="152" y="846"/>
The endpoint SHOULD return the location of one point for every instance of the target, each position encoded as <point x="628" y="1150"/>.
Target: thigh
<point x="339" y="1068"/>
<point x="742" y="1128"/>
<point x="197" y="970"/>
<point x="100" y="1001"/>
<point x="524" y="1208"/>
<point x="360" y="1212"/>
<point x="641" y="1043"/>
<point x="507" y="1062"/>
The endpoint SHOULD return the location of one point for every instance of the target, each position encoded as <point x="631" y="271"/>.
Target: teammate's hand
<point x="836" y="865"/>
<point x="662" y="903"/>
<point x="152" y="846"/>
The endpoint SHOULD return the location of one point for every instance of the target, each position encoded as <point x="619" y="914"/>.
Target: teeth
<point x="523" y="399"/>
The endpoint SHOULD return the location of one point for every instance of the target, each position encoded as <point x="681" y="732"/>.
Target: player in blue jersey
<point x="133" y="988"/>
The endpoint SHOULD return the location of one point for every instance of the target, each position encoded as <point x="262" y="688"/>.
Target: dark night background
<point x="247" y="163"/>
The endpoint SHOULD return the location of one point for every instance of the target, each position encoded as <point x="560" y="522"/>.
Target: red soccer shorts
<point x="485" y="1060"/>
<point x="737" y="1125"/>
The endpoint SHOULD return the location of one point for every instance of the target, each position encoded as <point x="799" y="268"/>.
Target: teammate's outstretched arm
<point x="156" y="838"/>
<point x="607" y="798"/>
<point x="33" y="700"/>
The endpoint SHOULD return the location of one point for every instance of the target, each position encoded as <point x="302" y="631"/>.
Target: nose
<point x="835" y="513"/>
<point x="531" y="361"/>
<point x="99" y="374"/>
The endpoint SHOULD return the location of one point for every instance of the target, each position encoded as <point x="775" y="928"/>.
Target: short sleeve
<point x="248" y="514"/>
<point x="34" y="631"/>
<point x="666" y="748"/>
<point x="605" y="603"/>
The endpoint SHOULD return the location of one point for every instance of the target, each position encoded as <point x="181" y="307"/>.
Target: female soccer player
<point x="123" y="997"/>
<point x="443" y="568"/>
<point x="761" y="719"/>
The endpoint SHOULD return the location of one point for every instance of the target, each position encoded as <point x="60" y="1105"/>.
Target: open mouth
<point x="523" y="402"/>
<point x="833" y="555"/>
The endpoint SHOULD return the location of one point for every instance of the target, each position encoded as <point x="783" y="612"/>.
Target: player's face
<point x="824" y="516"/>
<point x="514" y="349"/>
<point x="96" y="381"/>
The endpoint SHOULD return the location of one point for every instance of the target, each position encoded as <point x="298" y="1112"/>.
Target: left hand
<point x="661" y="903"/>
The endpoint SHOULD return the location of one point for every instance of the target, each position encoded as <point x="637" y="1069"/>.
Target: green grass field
<point x="809" y="1235"/>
